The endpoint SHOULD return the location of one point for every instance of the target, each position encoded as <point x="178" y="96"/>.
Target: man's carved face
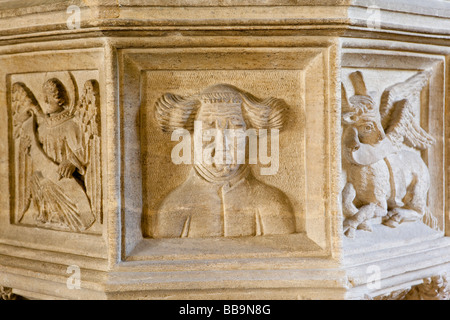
<point x="220" y="122"/>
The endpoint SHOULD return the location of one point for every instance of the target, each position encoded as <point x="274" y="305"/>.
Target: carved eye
<point x="368" y="127"/>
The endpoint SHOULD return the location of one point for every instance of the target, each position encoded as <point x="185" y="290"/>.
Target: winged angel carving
<point x="386" y="178"/>
<point x="58" y="156"/>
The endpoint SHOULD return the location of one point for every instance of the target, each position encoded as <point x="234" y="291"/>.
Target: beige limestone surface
<point x="100" y="193"/>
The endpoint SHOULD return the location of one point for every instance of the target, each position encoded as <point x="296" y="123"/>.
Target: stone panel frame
<point x="400" y="250"/>
<point x="16" y="64"/>
<point x="320" y="238"/>
<point x="432" y="116"/>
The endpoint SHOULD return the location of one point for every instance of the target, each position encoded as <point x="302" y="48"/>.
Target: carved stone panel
<point x="55" y="121"/>
<point x="221" y="197"/>
<point x="52" y="128"/>
<point x="392" y="146"/>
<point x="194" y="83"/>
<point x="275" y="98"/>
<point x="384" y="179"/>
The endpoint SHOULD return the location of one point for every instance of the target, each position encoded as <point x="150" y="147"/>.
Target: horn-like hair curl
<point x="176" y="112"/>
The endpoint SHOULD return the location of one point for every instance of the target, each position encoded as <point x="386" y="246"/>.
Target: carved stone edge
<point x="432" y="288"/>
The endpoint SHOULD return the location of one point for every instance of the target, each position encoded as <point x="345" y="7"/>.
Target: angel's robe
<point x="240" y="207"/>
<point x="61" y="203"/>
<point x="61" y="139"/>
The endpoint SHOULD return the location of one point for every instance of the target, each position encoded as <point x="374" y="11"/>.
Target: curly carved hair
<point x="56" y="89"/>
<point x="175" y="112"/>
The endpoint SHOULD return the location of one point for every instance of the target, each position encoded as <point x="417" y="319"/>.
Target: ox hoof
<point x="350" y="232"/>
<point x="391" y="223"/>
<point x="365" y="227"/>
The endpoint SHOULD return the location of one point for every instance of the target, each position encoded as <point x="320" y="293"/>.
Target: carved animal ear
<point x="359" y="84"/>
<point x="348" y="113"/>
<point x="348" y="118"/>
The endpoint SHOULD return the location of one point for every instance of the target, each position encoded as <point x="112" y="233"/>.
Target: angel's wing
<point x="404" y="128"/>
<point x="409" y="90"/>
<point x="23" y="103"/>
<point x="88" y="116"/>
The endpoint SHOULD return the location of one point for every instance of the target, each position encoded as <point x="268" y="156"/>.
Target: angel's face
<point x="51" y="104"/>
<point x="52" y="98"/>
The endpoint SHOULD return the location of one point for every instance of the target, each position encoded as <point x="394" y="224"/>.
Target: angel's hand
<point x="66" y="169"/>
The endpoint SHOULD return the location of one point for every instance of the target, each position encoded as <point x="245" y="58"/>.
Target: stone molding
<point x="432" y="288"/>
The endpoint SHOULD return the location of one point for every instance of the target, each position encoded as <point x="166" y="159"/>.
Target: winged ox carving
<point x="386" y="179"/>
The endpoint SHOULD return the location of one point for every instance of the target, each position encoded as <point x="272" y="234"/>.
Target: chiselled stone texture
<point x="211" y="149"/>
<point x="394" y="295"/>
<point x="7" y="294"/>
<point x="432" y="288"/>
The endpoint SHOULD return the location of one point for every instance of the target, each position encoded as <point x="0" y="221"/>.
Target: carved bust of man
<point x="222" y="199"/>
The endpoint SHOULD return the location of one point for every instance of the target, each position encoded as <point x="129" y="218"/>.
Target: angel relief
<point x="386" y="178"/>
<point x="57" y="156"/>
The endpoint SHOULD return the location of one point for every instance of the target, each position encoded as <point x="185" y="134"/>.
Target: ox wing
<point x="404" y="128"/>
